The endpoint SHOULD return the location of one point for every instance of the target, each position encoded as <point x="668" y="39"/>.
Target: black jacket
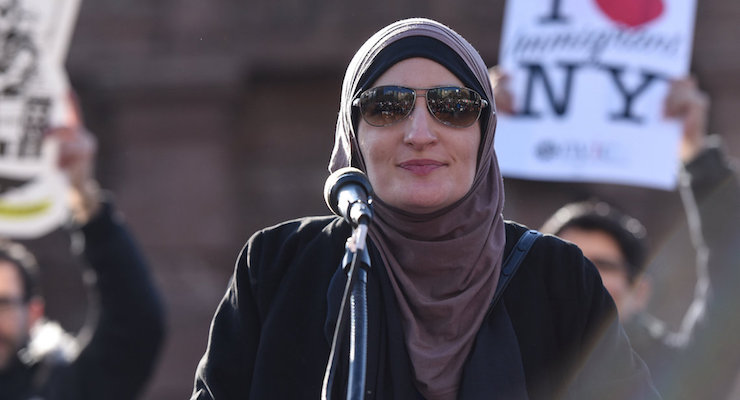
<point x="553" y="335"/>
<point x="127" y="331"/>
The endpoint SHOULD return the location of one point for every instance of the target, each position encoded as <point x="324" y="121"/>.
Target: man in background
<point x="115" y="352"/>
<point x="700" y="359"/>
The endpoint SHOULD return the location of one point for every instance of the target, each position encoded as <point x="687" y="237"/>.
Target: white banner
<point x="34" y="37"/>
<point x="588" y="78"/>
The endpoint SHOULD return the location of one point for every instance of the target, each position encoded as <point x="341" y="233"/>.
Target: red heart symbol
<point x="631" y="13"/>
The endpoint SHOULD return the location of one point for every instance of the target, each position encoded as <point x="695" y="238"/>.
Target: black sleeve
<point x="225" y="370"/>
<point x="264" y="341"/>
<point x="710" y="359"/>
<point x="716" y="187"/>
<point x="128" y="327"/>
<point x="709" y="172"/>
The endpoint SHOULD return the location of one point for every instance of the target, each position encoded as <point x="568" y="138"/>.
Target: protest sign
<point x="34" y="36"/>
<point x="588" y="79"/>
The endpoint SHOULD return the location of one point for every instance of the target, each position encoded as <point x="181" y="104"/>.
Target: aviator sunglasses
<point x="453" y="106"/>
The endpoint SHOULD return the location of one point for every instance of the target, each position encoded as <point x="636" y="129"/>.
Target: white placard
<point x="589" y="78"/>
<point x="34" y="37"/>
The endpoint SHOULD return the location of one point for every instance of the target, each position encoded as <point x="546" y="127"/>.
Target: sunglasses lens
<point x="454" y="106"/>
<point x="385" y="105"/>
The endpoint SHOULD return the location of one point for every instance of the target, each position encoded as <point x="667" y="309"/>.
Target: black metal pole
<point x="355" y="293"/>
<point x="358" y="330"/>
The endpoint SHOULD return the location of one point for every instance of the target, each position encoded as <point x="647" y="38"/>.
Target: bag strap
<point x="512" y="262"/>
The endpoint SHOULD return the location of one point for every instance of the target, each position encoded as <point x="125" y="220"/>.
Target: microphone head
<point x="340" y="178"/>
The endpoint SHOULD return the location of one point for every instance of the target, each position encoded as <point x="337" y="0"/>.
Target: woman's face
<point x="419" y="165"/>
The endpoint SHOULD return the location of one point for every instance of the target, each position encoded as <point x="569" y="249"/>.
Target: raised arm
<point x="121" y="341"/>
<point x="710" y="189"/>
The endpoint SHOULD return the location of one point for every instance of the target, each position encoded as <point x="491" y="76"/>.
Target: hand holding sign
<point x="77" y="151"/>
<point x="588" y="79"/>
<point x="502" y="95"/>
<point x="691" y="105"/>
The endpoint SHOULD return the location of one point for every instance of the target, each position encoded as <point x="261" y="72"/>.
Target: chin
<point x="418" y="198"/>
<point x="423" y="206"/>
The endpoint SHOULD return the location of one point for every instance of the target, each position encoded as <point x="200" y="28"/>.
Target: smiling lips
<point x="421" y="167"/>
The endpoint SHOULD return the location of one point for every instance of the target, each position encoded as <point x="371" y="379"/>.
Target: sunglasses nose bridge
<point x="420" y="130"/>
<point x="423" y="108"/>
<point x="422" y="93"/>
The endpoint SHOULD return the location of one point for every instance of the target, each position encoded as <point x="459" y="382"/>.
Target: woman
<point x="416" y="115"/>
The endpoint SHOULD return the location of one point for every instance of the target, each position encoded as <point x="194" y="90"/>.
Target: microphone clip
<point x="357" y="241"/>
<point x="360" y="212"/>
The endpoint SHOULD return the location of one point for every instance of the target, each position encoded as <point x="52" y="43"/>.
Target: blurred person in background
<point x="115" y="352"/>
<point x="701" y="358"/>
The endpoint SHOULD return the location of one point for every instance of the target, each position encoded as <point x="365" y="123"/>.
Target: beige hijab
<point x="443" y="266"/>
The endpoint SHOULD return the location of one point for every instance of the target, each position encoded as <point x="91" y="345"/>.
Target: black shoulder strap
<point x="513" y="260"/>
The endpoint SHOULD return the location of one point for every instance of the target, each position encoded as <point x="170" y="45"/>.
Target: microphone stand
<point x="358" y="314"/>
<point x="357" y="259"/>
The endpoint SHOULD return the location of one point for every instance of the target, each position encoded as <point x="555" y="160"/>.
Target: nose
<point x="420" y="127"/>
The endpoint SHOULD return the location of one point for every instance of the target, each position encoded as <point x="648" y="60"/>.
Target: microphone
<point x="347" y="192"/>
